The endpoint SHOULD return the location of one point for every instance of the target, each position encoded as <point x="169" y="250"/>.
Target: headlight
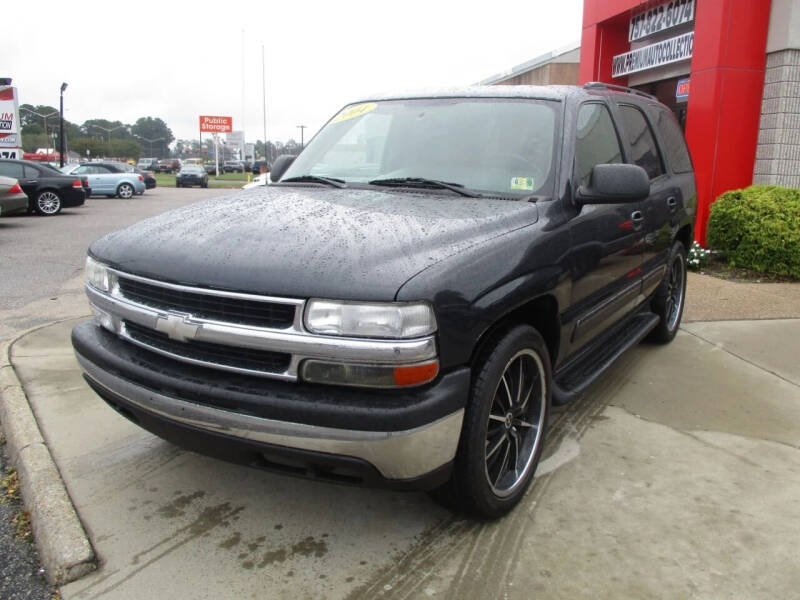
<point x="362" y="319"/>
<point x="97" y="275"/>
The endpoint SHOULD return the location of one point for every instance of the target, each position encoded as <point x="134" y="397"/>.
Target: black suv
<point x="402" y="307"/>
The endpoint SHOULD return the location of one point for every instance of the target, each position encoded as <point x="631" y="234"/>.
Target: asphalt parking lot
<point x="676" y="475"/>
<point x="41" y="272"/>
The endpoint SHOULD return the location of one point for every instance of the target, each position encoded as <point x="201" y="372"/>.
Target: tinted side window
<point x="674" y="144"/>
<point x="11" y="170"/>
<point x="644" y="151"/>
<point x="596" y="142"/>
<point x="31" y="173"/>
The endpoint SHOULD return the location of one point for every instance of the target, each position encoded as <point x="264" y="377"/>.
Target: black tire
<point x="670" y="297"/>
<point x="177" y="184"/>
<point x="47" y="203"/>
<point x="125" y="191"/>
<point x="483" y="483"/>
<point x="204" y="185"/>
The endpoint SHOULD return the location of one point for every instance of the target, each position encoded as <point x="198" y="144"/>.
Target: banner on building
<point x="655" y="55"/>
<point x="10" y="144"/>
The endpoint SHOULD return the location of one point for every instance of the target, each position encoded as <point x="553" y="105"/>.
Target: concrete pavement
<point x="676" y="475"/>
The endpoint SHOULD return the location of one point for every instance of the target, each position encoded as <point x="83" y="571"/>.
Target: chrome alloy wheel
<point x="48" y="203"/>
<point x="676" y="291"/>
<point x="514" y="429"/>
<point x="125" y="191"/>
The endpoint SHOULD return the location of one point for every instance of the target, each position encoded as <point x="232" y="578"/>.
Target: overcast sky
<point x="178" y="60"/>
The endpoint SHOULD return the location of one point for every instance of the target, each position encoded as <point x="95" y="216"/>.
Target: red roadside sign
<point x="209" y="124"/>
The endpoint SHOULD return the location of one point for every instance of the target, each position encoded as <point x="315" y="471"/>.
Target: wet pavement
<point x="676" y="475"/>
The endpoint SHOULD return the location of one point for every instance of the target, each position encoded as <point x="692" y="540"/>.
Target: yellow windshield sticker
<point x="351" y="112"/>
<point x="522" y="183"/>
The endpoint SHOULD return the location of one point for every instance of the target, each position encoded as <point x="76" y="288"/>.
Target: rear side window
<point x="11" y="170"/>
<point x="644" y="151"/>
<point x="31" y="173"/>
<point x="674" y="144"/>
<point x="596" y="142"/>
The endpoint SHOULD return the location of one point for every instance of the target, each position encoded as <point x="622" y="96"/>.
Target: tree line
<point x="148" y="136"/>
<point x="100" y="137"/>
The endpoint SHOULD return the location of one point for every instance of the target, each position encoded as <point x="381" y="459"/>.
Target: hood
<point x="308" y="241"/>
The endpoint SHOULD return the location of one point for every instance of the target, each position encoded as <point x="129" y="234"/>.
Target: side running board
<point x="579" y="373"/>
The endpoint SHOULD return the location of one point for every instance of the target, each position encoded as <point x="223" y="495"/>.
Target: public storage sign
<point x="660" y="18"/>
<point x="655" y="55"/>
<point x="209" y="124"/>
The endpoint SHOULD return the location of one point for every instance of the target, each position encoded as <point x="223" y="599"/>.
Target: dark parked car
<point x="211" y="168"/>
<point x="402" y="312"/>
<point x="149" y="179"/>
<point x="233" y="166"/>
<point x="168" y="165"/>
<point x="190" y="175"/>
<point x="12" y="198"/>
<point x="48" y="190"/>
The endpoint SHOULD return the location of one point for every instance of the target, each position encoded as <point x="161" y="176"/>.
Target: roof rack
<point x="621" y="88"/>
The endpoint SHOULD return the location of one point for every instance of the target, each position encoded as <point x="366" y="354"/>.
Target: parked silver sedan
<point x="12" y="198"/>
<point x="110" y="178"/>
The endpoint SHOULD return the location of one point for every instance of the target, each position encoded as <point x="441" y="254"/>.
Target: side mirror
<point x="279" y="167"/>
<point x="614" y="184"/>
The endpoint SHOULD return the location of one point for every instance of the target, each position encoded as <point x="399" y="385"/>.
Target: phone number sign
<point x="660" y="18"/>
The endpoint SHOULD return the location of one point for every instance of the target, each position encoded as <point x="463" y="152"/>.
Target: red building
<point x="707" y="59"/>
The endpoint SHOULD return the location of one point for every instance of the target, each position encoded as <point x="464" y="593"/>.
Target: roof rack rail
<point x="621" y="88"/>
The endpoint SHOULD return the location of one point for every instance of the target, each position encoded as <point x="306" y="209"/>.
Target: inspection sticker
<point x="351" y="112"/>
<point x="522" y="183"/>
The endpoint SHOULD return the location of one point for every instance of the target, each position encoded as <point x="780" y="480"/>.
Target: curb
<point x="61" y="541"/>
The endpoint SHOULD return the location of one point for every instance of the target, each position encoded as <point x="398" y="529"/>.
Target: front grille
<point x="205" y="306"/>
<point x="208" y="352"/>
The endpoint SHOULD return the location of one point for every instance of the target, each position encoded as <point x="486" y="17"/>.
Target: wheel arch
<point x="541" y="313"/>
<point x="684" y="236"/>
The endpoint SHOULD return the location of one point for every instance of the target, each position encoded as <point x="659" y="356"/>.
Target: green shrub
<point x="758" y="228"/>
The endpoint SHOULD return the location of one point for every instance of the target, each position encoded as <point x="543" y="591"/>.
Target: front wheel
<point x="670" y="296"/>
<point x="125" y="191"/>
<point x="504" y="425"/>
<point x="47" y="203"/>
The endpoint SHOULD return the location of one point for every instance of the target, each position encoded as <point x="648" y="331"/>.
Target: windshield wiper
<point x="332" y="181"/>
<point x="426" y="183"/>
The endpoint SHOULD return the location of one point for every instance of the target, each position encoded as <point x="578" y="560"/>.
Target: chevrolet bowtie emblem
<point x="177" y="326"/>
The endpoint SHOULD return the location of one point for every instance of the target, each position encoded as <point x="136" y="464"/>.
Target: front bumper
<point x="404" y="439"/>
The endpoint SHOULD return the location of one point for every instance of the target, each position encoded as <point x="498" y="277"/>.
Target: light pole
<point x="61" y="127"/>
<point x="108" y="130"/>
<point x="41" y="116"/>
<point x="149" y="140"/>
<point x="301" y="128"/>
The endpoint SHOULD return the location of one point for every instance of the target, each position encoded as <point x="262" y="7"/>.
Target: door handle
<point x="672" y="204"/>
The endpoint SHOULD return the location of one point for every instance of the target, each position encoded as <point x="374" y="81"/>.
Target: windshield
<point x="495" y="145"/>
<point x="192" y="169"/>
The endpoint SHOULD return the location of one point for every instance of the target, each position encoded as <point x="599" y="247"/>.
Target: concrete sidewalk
<point x="676" y="475"/>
